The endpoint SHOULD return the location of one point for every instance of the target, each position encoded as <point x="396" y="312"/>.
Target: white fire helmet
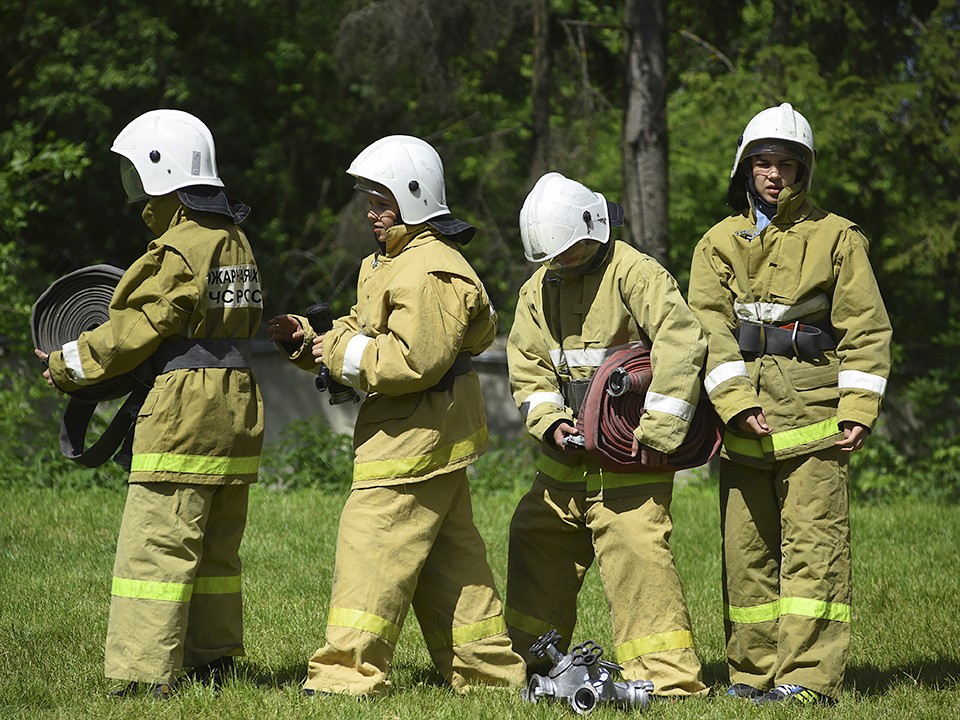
<point x="410" y="169"/>
<point x="558" y="212"/>
<point x="163" y="151"/>
<point x="778" y="129"/>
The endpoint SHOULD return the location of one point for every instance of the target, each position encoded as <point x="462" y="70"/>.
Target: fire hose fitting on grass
<point x="582" y="679"/>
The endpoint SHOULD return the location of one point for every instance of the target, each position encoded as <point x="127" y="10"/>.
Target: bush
<point x="508" y="464"/>
<point x="881" y="471"/>
<point x="30" y="424"/>
<point x="308" y="454"/>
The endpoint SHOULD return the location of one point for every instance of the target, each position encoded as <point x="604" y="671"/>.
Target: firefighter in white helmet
<point x="797" y="365"/>
<point x="186" y="310"/>
<point x="591" y="297"/>
<point x="407" y="535"/>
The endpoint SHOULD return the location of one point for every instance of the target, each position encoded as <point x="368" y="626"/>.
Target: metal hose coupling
<point x="321" y="320"/>
<point x="582" y="680"/>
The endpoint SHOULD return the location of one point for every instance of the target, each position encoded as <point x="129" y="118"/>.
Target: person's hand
<point x="561" y="431"/>
<point x="648" y="456"/>
<point x="854" y="436"/>
<point x="46" y="372"/>
<point x="318" y="349"/>
<point x="753" y="421"/>
<point x="284" y="328"/>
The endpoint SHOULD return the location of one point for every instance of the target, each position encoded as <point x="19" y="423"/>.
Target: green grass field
<point x="56" y="555"/>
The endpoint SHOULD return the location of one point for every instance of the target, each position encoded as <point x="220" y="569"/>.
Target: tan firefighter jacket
<point x="418" y="307"/>
<point x="567" y="325"/>
<point x="808" y="266"/>
<point x="197" y="280"/>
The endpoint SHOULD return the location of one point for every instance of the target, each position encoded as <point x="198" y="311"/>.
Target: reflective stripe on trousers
<point x="595" y="478"/>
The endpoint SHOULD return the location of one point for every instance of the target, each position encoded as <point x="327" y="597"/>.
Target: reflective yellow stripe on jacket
<point x="195" y="464"/>
<point x="419" y="464"/>
<point x="599" y="479"/>
<point x="776" y="442"/>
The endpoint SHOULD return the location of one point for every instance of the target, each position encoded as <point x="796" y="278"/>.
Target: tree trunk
<point x="540" y="88"/>
<point x="779" y="35"/>
<point x="645" y="128"/>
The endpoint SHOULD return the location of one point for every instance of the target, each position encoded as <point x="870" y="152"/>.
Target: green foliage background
<point x="294" y="90"/>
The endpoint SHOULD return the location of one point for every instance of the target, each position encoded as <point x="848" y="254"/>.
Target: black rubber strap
<point x="461" y="366"/>
<point x="573" y="393"/>
<point x="805" y="342"/>
<point x="201" y="353"/>
<point x="76" y="419"/>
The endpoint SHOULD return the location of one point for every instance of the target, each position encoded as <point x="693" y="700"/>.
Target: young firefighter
<point x="188" y="307"/>
<point x="797" y="366"/>
<point x="407" y="535"/>
<point x="590" y="298"/>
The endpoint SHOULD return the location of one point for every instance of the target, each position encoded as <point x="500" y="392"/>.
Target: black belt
<point x="804" y="342"/>
<point x="201" y="353"/>
<point x="461" y="366"/>
<point x="176" y="355"/>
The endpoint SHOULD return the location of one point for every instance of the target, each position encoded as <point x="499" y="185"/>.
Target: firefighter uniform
<point x="566" y="325"/>
<point x="784" y="497"/>
<point x="406" y="534"/>
<point x="176" y="587"/>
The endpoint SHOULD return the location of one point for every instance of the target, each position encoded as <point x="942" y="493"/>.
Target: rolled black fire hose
<point x="613" y="406"/>
<point x="77" y="302"/>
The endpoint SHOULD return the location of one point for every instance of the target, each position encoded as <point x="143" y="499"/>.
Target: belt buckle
<point x="793" y="340"/>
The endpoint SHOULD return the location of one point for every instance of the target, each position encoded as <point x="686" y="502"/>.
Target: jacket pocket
<point x="816" y="385"/>
<point x="378" y="409"/>
<point x="149" y="405"/>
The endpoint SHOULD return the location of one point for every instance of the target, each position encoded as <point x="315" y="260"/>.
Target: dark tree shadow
<point x="403" y="675"/>
<point x="935" y="674"/>
<point x="715" y="673"/>
<point x="284" y="676"/>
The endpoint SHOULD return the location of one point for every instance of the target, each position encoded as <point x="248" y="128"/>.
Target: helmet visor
<point x="779" y="147"/>
<point x="132" y="185"/>
<point x="373" y="188"/>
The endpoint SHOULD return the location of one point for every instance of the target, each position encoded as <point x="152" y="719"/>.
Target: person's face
<point x="383" y="214"/>
<point x="771" y="173"/>
<point x="572" y="257"/>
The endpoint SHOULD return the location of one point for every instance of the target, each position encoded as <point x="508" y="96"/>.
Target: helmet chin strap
<point x="761" y="205"/>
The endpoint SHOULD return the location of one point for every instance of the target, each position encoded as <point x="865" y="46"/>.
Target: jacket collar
<point x="400" y="237"/>
<point x="793" y="205"/>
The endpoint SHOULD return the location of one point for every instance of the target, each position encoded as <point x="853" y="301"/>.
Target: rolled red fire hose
<point x="613" y="406"/>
